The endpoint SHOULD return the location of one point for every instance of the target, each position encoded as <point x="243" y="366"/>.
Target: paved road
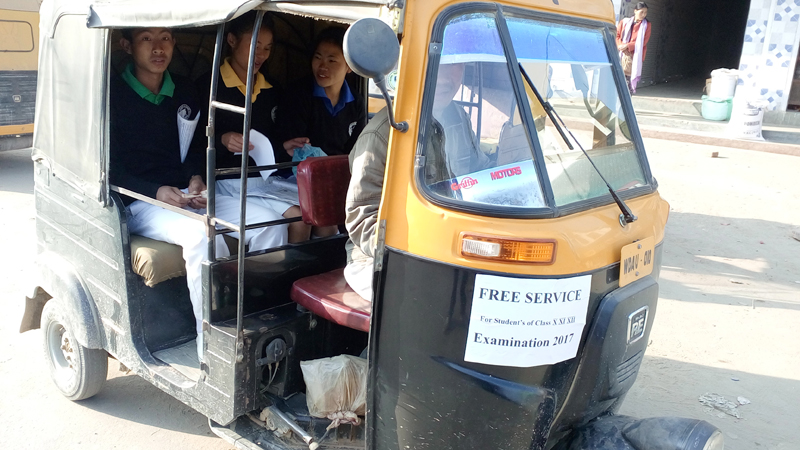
<point x="731" y="219"/>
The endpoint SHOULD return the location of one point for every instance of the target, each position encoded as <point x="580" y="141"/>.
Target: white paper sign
<point x="525" y="323"/>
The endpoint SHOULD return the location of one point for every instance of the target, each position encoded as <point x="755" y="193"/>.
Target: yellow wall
<point x="19" y="30"/>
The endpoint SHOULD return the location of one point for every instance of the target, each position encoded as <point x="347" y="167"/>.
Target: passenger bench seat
<point x="322" y="185"/>
<point x="158" y="261"/>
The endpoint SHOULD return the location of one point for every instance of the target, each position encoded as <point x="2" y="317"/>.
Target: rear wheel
<point x="77" y="371"/>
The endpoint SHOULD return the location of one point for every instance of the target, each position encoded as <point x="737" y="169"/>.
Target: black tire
<point x="77" y="371"/>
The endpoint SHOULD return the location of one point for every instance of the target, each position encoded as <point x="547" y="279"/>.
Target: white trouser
<point x="157" y="223"/>
<point x="232" y="187"/>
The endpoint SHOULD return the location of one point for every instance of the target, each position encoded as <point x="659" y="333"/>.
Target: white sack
<point x="746" y="120"/>
<point x="336" y="388"/>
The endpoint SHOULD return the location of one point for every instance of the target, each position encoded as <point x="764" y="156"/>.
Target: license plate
<point x="636" y="261"/>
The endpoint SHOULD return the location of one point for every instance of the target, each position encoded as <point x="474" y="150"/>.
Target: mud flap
<point x="34" y="305"/>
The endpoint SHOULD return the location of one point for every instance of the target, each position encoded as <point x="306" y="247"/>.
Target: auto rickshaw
<point x="512" y="301"/>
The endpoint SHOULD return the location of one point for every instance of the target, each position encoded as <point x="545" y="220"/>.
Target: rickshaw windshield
<point x="477" y="147"/>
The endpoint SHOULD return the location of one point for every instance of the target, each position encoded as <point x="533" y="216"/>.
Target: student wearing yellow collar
<point x="228" y="128"/>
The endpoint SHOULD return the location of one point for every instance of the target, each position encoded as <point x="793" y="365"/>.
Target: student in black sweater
<point x="264" y="98"/>
<point x="156" y="152"/>
<point x="323" y="111"/>
<point x="231" y="90"/>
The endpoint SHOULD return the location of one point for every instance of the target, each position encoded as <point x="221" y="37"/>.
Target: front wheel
<point x="77" y="371"/>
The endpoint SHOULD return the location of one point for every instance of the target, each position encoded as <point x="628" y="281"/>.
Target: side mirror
<point x="371" y="50"/>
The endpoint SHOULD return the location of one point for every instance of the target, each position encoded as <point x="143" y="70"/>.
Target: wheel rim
<point x="62" y="354"/>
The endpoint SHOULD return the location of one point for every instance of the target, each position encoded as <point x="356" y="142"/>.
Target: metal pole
<point x="248" y="107"/>
<point x="211" y="152"/>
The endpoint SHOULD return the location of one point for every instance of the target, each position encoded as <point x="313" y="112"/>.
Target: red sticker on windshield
<point x="466" y="183"/>
<point x="510" y="172"/>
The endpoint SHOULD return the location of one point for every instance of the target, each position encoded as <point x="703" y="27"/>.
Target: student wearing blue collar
<point x="324" y="112"/>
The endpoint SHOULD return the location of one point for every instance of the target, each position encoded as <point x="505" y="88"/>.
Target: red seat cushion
<point x="328" y="295"/>
<point x="322" y="187"/>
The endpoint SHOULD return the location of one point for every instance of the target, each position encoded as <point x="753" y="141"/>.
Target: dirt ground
<point x="729" y="311"/>
<point x="727" y="323"/>
<point x="129" y="413"/>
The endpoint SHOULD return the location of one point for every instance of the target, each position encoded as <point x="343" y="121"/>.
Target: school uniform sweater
<point x="145" y="145"/>
<point x="264" y="112"/>
<point x="304" y="114"/>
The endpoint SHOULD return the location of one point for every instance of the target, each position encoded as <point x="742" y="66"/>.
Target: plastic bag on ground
<point x="336" y="388"/>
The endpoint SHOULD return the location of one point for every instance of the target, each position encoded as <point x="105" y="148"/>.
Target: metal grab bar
<point x="255" y="169"/>
<point x="227" y="107"/>
<point x="248" y="115"/>
<point x="258" y="225"/>
<point x="211" y="152"/>
<point x="152" y="201"/>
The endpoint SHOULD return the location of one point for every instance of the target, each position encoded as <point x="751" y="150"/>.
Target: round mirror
<point x="371" y="48"/>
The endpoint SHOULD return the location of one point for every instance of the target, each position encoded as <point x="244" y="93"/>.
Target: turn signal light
<point x="534" y="251"/>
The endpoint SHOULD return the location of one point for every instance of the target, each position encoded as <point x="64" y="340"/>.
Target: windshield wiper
<point x="627" y="215"/>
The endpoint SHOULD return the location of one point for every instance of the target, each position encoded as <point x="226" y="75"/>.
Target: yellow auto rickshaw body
<point x="585" y="241"/>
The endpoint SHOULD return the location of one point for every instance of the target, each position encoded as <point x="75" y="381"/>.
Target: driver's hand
<point x="234" y="142"/>
<point x="171" y="196"/>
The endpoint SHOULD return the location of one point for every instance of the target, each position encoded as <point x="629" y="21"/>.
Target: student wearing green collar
<point x="156" y="152"/>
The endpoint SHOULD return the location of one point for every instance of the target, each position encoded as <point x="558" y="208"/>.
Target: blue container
<point x="717" y="108"/>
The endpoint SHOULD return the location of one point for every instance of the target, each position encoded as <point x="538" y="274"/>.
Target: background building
<point x="690" y="38"/>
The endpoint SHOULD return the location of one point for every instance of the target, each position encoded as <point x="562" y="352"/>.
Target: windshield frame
<point x="551" y="210"/>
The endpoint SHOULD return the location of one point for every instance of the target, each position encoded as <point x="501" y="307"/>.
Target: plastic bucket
<point x="723" y="83"/>
<point x="716" y="108"/>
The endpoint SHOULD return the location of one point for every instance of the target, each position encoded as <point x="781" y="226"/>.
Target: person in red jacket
<point x="632" y="36"/>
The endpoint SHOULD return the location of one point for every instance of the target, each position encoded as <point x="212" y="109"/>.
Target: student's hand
<point x="171" y="196"/>
<point x="196" y="186"/>
<point x="234" y="142"/>
<point x="292" y="144"/>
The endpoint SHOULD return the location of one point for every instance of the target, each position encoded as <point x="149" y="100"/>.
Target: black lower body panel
<point x="424" y="394"/>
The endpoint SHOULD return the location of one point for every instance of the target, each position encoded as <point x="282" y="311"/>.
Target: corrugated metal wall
<point x="18" y="97"/>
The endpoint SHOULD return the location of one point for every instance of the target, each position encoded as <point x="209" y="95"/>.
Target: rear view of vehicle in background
<point x="19" y="50"/>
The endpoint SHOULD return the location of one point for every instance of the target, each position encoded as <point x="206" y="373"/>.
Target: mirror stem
<point x="381" y="83"/>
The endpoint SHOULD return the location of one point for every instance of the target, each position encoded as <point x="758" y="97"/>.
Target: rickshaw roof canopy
<point x="155" y="13"/>
<point x="20" y="5"/>
<point x="193" y="13"/>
